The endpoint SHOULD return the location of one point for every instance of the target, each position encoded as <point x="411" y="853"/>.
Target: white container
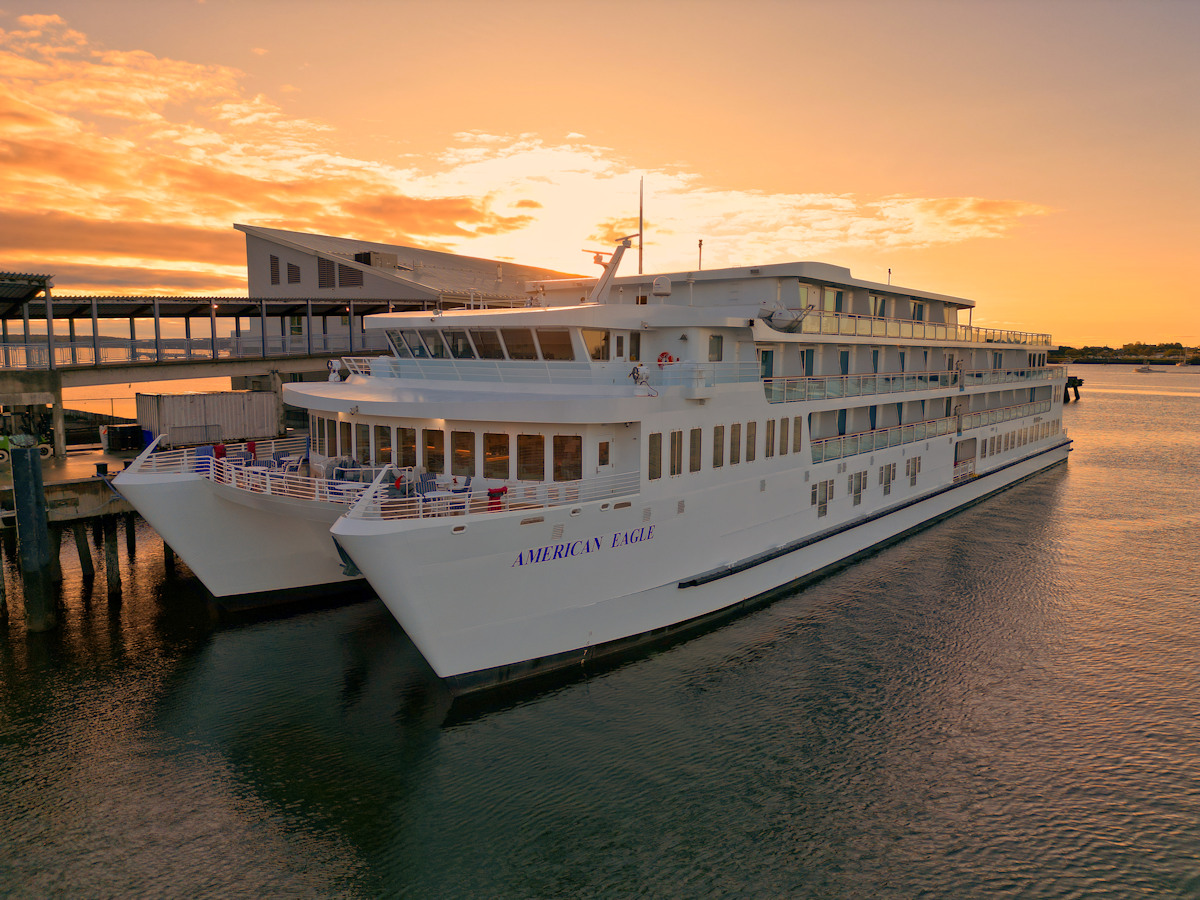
<point x="224" y="416"/>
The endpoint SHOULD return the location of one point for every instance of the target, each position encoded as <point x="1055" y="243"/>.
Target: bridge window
<point x="398" y="344"/>
<point x="437" y="348"/>
<point x="460" y="347"/>
<point x="435" y="450"/>
<point x="531" y="457"/>
<point x="407" y="445"/>
<point x="383" y="445"/>
<point x="362" y="443"/>
<point x="555" y="343"/>
<point x="415" y="347"/>
<point x="495" y="456"/>
<point x="519" y="343"/>
<point x="462" y="444"/>
<point x="568" y="457"/>
<point x="487" y="344"/>
<point x="596" y="341"/>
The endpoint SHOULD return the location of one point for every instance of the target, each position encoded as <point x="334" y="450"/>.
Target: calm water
<point x="1006" y="704"/>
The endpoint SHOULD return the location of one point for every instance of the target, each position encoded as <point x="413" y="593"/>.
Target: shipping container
<point x="210" y="418"/>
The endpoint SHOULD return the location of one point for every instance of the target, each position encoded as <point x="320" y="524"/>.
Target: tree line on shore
<point x="1136" y="352"/>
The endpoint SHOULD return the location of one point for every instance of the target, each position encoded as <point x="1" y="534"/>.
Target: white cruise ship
<point x="632" y="456"/>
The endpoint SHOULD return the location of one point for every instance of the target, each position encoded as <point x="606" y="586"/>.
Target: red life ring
<point x="664" y="359"/>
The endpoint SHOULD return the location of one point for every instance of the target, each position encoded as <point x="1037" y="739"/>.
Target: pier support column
<point x="84" y="549"/>
<point x="130" y="535"/>
<point x="29" y="497"/>
<point x="112" y="570"/>
<point x="56" y="575"/>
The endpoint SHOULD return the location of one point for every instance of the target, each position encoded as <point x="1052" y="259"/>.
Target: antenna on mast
<point x="641" y="208"/>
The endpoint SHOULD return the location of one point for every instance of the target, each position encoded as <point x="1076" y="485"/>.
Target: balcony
<point x="834" y="387"/>
<point x="817" y="321"/>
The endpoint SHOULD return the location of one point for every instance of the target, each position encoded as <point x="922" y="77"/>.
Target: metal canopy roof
<point x="80" y="307"/>
<point x="19" y="287"/>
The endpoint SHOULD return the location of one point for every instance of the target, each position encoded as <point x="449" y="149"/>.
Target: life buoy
<point x="665" y="359"/>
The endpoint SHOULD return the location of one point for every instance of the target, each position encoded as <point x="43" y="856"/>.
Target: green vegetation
<point x="1163" y="354"/>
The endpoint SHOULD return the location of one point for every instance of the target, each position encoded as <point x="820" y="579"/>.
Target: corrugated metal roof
<point x="21" y="286"/>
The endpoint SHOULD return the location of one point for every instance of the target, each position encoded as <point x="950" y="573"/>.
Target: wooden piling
<point x="84" y="549"/>
<point x="112" y="570"/>
<point x="33" y="537"/>
<point x="130" y="534"/>
<point x="56" y="575"/>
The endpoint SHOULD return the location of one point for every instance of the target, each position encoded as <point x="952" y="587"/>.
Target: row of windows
<point x="486" y="455"/>
<point x="1010" y="440"/>
<point x="781" y="428"/>
<point x="511" y="343"/>
<point x="857" y="482"/>
<point x="293" y="271"/>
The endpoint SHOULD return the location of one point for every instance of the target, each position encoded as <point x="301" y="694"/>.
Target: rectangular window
<point x="694" y="451"/>
<point x="345" y="439"/>
<point x="715" y="348"/>
<point x="912" y="468"/>
<point x="796" y="434"/>
<point x="293" y="273"/>
<point x="833" y="300"/>
<point x="735" y="443"/>
<point x="519" y="343"/>
<point x="635" y="346"/>
<point x="462" y="453"/>
<point x="460" y="347"/>
<point x="654" y="457"/>
<point x="783" y="436"/>
<point x="331" y="437"/>
<point x="318" y="434"/>
<point x="568" y="457"/>
<point x="822" y="493"/>
<point x="918" y="312"/>
<point x="718" y="446"/>
<point x="596" y="341"/>
<point x="406" y="440"/>
<point x="274" y="269"/>
<point x="620" y="346"/>
<point x="348" y="276"/>
<point x="362" y="443"/>
<point x="751" y="440"/>
<point x="324" y="273"/>
<point x="495" y="456"/>
<point x="857" y="483"/>
<point x="531" y="457"/>
<point x="676" y="453"/>
<point x="555" y="343"/>
<point x="487" y="343"/>
<point x="769" y="439"/>
<point x="435" y="451"/>
<point x="887" y="474"/>
<point x="295" y="324"/>
<point x="602" y="451"/>
<point x="437" y="347"/>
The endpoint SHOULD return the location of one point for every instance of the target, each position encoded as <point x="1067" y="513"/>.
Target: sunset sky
<point x="1041" y="158"/>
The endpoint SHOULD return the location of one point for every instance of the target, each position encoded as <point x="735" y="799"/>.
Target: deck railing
<point x="817" y="321"/>
<point x="826" y="449"/>
<point x="384" y="501"/>
<point x="832" y="387"/>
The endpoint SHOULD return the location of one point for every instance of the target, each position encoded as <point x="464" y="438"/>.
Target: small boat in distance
<point x="1147" y="369"/>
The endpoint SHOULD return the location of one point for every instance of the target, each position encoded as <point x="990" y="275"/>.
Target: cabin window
<point x="735" y="443"/>
<point x="362" y="443"/>
<point x="912" y="468"/>
<point x="718" y="446"/>
<point x="416" y="348"/>
<point x="296" y="325"/>
<point x="620" y="346"/>
<point x="783" y="437"/>
<point x="877" y="305"/>
<point x="641" y="300"/>
<point x="769" y="439"/>
<point x="676" y="453"/>
<point x="635" y="346"/>
<point x="460" y="347"/>
<point x="796" y="434"/>
<point x="596" y="341"/>
<point x="715" y="347"/>
<point x="602" y="457"/>
<point x="751" y="440"/>
<point x="654" y="457"/>
<point x="519" y="343"/>
<point x="437" y="347"/>
<point x="495" y="456"/>
<point x="822" y="493"/>
<point x="330" y="437"/>
<point x="407" y="444"/>
<point x="833" y="300"/>
<point x="487" y="343"/>
<point x="856" y="484"/>
<point x="568" y="457"/>
<point x="435" y="450"/>
<point x="555" y="343"/>
<point x="462" y="453"/>
<point x="887" y="474"/>
<point x="531" y="457"/>
<point x="345" y="439"/>
<point x="314" y="428"/>
<point x="397" y="342"/>
<point x="694" y="451"/>
<point x="997" y="359"/>
<point x="918" y="312"/>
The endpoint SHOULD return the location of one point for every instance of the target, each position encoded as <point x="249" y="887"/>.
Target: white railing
<point x="385" y="500"/>
<point x="826" y="449"/>
<point x="184" y="459"/>
<point x="817" y="321"/>
<point x="557" y="372"/>
<point x="963" y="471"/>
<point x="833" y="387"/>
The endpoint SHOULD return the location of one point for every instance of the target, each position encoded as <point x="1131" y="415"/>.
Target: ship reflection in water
<point x="1003" y="703"/>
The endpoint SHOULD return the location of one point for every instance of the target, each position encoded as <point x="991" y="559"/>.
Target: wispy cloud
<point x="123" y="167"/>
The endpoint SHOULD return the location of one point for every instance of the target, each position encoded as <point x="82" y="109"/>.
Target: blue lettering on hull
<point x="583" y="547"/>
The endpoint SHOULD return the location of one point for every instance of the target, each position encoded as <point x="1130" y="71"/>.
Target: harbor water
<point x="1005" y="704"/>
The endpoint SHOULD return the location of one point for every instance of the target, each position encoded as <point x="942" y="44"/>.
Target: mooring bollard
<point x="33" y="535"/>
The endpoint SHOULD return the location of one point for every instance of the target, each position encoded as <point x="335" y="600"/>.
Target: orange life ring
<point x="664" y="359"/>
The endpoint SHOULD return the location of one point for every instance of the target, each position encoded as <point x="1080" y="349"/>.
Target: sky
<point x="1040" y="158"/>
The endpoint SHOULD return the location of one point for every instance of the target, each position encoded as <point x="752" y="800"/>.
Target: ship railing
<point x="831" y="448"/>
<point x="185" y="459"/>
<point x="385" y="499"/>
<point x="964" y="471"/>
<point x="688" y="374"/>
<point x="794" y="388"/>
<point x="826" y="322"/>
